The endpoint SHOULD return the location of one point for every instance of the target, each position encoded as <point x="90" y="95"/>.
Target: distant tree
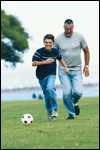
<point x="14" y="40"/>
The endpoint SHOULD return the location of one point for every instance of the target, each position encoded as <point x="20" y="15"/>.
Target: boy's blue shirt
<point x="48" y="69"/>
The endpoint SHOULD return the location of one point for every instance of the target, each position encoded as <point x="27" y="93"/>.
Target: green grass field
<point x="81" y="133"/>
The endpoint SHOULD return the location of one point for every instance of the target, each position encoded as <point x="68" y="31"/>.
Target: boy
<point x="45" y="60"/>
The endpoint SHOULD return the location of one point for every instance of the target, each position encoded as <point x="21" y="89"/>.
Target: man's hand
<point x="66" y="69"/>
<point x="86" y="71"/>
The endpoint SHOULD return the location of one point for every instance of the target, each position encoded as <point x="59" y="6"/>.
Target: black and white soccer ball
<point x="27" y="119"/>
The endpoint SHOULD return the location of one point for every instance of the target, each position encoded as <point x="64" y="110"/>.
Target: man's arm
<point x="65" y="66"/>
<point x="86" y="60"/>
<point x="43" y="62"/>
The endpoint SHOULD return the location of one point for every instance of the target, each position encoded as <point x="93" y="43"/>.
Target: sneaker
<point x="70" y="117"/>
<point x="49" y="116"/>
<point x="54" y="114"/>
<point x="77" y="109"/>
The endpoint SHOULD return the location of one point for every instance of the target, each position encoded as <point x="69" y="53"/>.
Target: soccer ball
<point x="27" y="119"/>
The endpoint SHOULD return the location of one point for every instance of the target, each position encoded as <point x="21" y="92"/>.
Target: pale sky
<point x="42" y="17"/>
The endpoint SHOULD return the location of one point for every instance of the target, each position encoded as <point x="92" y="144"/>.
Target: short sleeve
<point x="59" y="56"/>
<point x="36" y="56"/>
<point x="83" y="43"/>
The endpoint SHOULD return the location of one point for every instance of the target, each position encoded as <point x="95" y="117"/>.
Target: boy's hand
<point x="49" y="61"/>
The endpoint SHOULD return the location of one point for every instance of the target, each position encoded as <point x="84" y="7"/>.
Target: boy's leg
<point x="43" y="84"/>
<point x="51" y="91"/>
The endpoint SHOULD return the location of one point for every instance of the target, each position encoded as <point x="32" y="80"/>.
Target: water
<point x="26" y="94"/>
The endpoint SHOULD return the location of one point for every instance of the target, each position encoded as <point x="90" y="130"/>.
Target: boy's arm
<point x="43" y="62"/>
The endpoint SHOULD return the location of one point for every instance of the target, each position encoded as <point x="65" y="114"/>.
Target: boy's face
<point x="48" y="43"/>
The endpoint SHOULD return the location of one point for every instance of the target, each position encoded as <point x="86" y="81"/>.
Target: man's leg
<point x="77" y="89"/>
<point x="67" y="92"/>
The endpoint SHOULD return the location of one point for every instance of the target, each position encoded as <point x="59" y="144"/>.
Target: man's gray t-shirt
<point x="70" y="48"/>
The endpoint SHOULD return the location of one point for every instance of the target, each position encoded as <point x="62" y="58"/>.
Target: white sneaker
<point x="54" y="114"/>
<point x="49" y="117"/>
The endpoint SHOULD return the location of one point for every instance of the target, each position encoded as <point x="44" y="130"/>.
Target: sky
<point x="42" y="17"/>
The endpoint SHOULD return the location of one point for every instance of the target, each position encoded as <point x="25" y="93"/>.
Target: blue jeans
<point x="71" y="83"/>
<point x="49" y="91"/>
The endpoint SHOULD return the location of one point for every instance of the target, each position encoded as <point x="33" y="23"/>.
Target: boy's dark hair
<point x="68" y="21"/>
<point x="49" y="36"/>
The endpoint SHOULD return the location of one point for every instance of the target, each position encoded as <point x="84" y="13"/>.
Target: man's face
<point x="48" y="43"/>
<point x="68" y="29"/>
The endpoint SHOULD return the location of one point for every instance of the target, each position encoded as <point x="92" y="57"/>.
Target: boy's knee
<point x="50" y="89"/>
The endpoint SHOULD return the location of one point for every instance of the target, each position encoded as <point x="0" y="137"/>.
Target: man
<point x="45" y="60"/>
<point x="70" y="44"/>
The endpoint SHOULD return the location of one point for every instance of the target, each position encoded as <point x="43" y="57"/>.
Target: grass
<point x="81" y="133"/>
